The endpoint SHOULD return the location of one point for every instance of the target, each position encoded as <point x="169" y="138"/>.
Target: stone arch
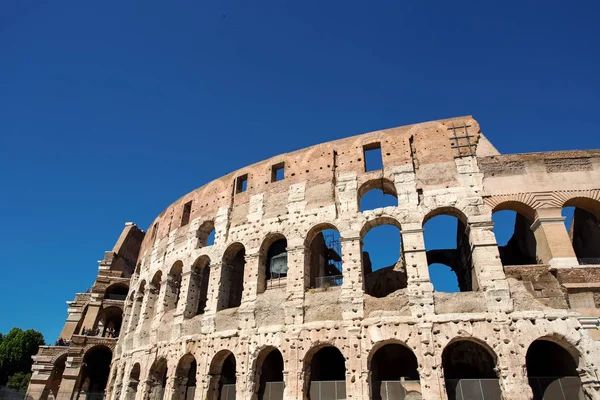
<point x="133" y="382"/>
<point x="232" y="276"/>
<point x="58" y="368"/>
<point x="323" y="256"/>
<point x="116" y="291"/>
<point x="136" y="308"/>
<point x="197" y="293"/>
<point x="584" y="228"/>
<point x="268" y="377"/>
<point x="95" y="371"/>
<point x="457" y="253"/>
<point x="389" y="278"/>
<point x="152" y="295"/>
<point x="393" y="368"/>
<point x="384" y="185"/>
<point x="469" y="364"/>
<point x="185" y="378"/>
<point x="110" y="322"/>
<point x="205" y="233"/>
<point x="551" y="367"/>
<point x="157" y="379"/>
<point x="522" y="247"/>
<point x="324" y="369"/>
<point x="222" y="371"/>
<point x="272" y="261"/>
<point x="173" y="289"/>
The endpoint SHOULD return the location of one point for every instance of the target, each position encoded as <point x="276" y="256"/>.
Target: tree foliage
<point x="16" y="349"/>
<point x="18" y="381"/>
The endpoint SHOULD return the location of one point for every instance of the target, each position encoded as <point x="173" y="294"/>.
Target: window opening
<point x="271" y="383"/>
<point x="384" y="268"/>
<point x="154" y="230"/>
<point x="232" y="277"/>
<point x="469" y="372"/>
<point x="372" y="157"/>
<point x="325" y="252"/>
<point x="516" y="241"/>
<point x="278" y="172"/>
<point x="185" y="216"/>
<point x="552" y="372"/>
<point x="275" y="264"/>
<point x="394" y="373"/>
<point x="95" y="371"/>
<point x="327" y="374"/>
<point x="447" y="244"/>
<point x="583" y="228"/>
<point x="241" y="183"/>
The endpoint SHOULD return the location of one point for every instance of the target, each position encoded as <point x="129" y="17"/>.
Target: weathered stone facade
<point x="214" y="309"/>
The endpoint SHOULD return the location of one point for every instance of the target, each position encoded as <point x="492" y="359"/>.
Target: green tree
<point x="18" y="381"/>
<point x="16" y="349"/>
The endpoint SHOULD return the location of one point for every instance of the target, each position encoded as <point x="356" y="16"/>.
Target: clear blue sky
<point x="111" y="110"/>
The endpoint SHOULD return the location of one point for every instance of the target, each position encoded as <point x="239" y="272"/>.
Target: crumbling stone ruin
<point x="257" y="286"/>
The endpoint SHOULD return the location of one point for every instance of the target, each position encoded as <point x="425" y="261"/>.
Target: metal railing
<point x="324" y="282"/>
<point x="556" y="388"/>
<point x="473" y="389"/>
<point x="589" y="261"/>
<point x="400" y="390"/>
<point x="327" y="390"/>
<point x="273" y="391"/>
<point x="228" y="392"/>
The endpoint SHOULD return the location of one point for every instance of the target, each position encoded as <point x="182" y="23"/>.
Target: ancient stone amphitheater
<point x="257" y="286"/>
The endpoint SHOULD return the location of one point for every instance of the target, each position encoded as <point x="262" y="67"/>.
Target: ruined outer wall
<point x="322" y="187"/>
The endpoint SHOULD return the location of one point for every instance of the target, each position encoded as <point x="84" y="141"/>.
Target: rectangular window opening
<point x="154" y="230"/>
<point x="241" y="183"/>
<point x="372" y="156"/>
<point x="278" y="172"/>
<point x="185" y="216"/>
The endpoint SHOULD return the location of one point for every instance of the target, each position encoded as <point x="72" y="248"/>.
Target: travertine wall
<point x="429" y="175"/>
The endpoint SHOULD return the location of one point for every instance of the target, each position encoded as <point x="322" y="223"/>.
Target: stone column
<point x="135" y="312"/>
<point x="213" y="297"/>
<point x="246" y="309"/>
<point x="90" y="318"/>
<point x="420" y="289"/>
<point x="164" y="295"/>
<point x="292" y="374"/>
<point x="352" y="287"/>
<point x="554" y="246"/>
<point x="127" y="311"/>
<point x="69" y="378"/>
<point x="295" y="286"/>
<point x="487" y="267"/>
<point x="188" y="295"/>
<point x="354" y="384"/>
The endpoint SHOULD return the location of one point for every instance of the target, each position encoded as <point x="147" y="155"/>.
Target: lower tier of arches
<point x="525" y="357"/>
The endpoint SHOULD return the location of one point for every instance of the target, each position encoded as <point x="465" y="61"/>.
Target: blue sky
<point x="111" y="110"/>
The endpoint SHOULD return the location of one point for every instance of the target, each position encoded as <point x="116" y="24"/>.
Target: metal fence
<point x="400" y="390"/>
<point x="556" y="388"/>
<point x="328" y="281"/>
<point x="327" y="390"/>
<point x="473" y="389"/>
<point x="273" y="391"/>
<point x="228" y="392"/>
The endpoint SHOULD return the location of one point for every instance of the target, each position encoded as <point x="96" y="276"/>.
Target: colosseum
<point x="257" y="285"/>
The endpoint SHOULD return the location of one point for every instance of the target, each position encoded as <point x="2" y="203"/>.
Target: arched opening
<point x="157" y="379"/>
<point x="273" y="262"/>
<point x="469" y="372"/>
<point x="116" y="291"/>
<point x="173" y="286"/>
<point x="198" y="290"/>
<point x="582" y="220"/>
<point x="232" y="277"/>
<point x="377" y="193"/>
<point x="206" y="234"/>
<point x="136" y="309"/>
<point x="110" y="322"/>
<point x="552" y="372"/>
<point x="447" y="243"/>
<point x="53" y="383"/>
<point x="383" y="263"/>
<point x="185" y="386"/>
<point x="223" y="377"/>
<point x="512" y="227"/>
<point x="269" y="375"/>
<point x="393" y="373"/>
<point x="326" y="374"/>
<point x="323" y="257"/>
<point x="94" y="372"/>
<point x="133" y="382"/>
<point x="153" y="292"/>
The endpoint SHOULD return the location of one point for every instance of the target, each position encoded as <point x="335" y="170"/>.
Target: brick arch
<point x="56" y="357"/>
<point x="523" y="203"/>
<point x="446" y="210"/>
